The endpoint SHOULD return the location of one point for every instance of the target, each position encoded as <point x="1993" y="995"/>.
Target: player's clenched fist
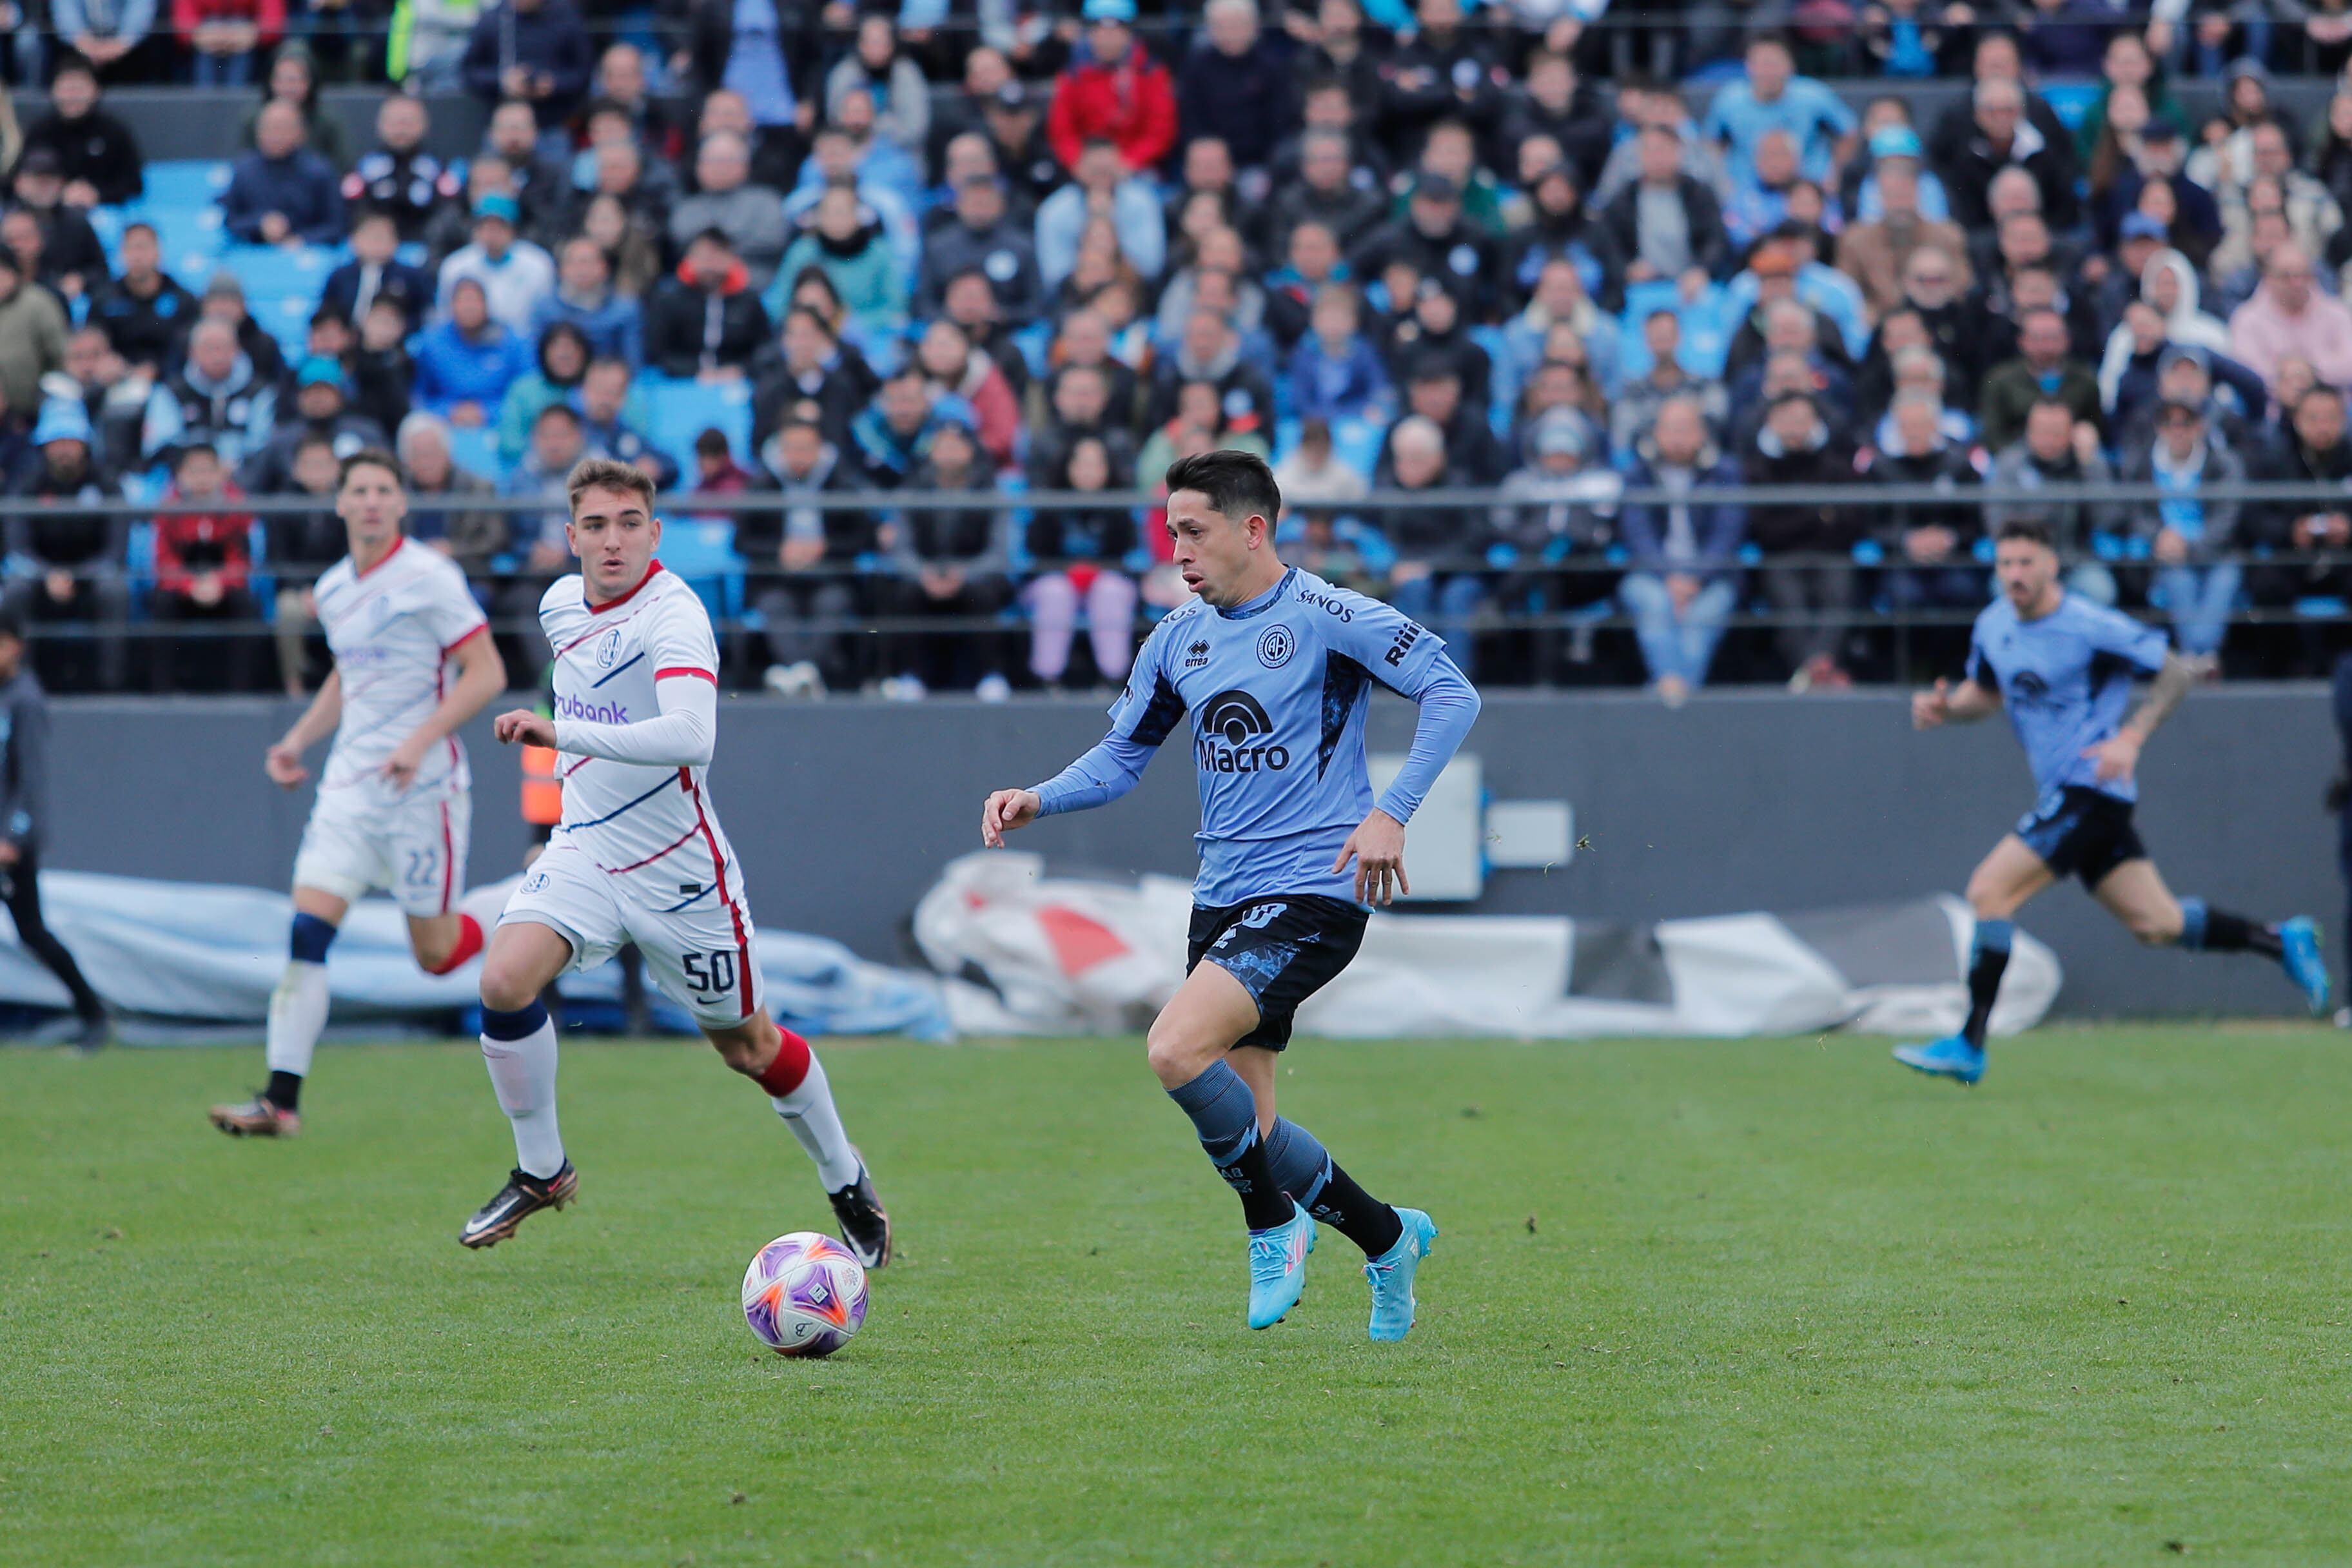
<point x="1929" y="708"/>
<point x="1006" y="810"/>
<point x="522" y="727"/>
<point x="283" y="764"/>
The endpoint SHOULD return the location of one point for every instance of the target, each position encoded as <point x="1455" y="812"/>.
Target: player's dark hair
<point x="368" y="458"/>
<point x="1237" y="484"/>
<point x="2033" y="530"/>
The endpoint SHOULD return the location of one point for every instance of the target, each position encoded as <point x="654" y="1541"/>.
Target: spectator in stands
<point x="1236" y="85"/>
<point x="959" y="371"/>
<point x="2288" y="315"/>
<point x="73" y="257"/>
<point x="1085" y="399"/>
<point x="376" y="272"/>
<point x="1336" y="373"/>
<point x="2313" y="452"/>
<point x="223" y="301"/>
<point x="145" y="315"/>
<point x="1928" y="541"/>
<point x="875" y="66"/>
<point x="1428" y="580"/>
<point x="1554" y="516"/>
<point x="2044" y="369"/>
<point x="556" y="445"/>
<point x="32" y="334"/>
<point x="203" y="572"/>
<point x="2052" y="453"/>
<point x="219" y="397"/>
<point x="1437" y="242"/>
<point x="466" y="364"/>
<point x="1772" y="97"/>
<point x="1113" y="88"/>
<point x="562" y="364"/>
<point x="1816" y="597"/>
<point x="2230" y="396"/>
<point x="1324" y="192"/>
<point x="1684" y="581"/>
<point x="1211" y="351"/>
<point x="1103" y="188"/>
<point x="536" y="173"/>
<point x="299" y="546"/>
<point x="1664" y="225"/>
<point x="879" y="162"/>
<point x="97" y="154"/>
<point x="1634" y="411"/>
<point x="115" y="39"/>
<point x="513" y="274"/>
<point x="294" y="80"/>
<point x="632" y="247"/>
<point x="535" y="50"/>
<point x="1875" y="253"/>
<point x="1080" y="558"/>
<point x="97" y="379"/>
<point x="584" y="297"/>
<point x="1433" y="391"/>
<point x="2271" y="180"/>
<point x="707" y="322"/>
<point x="1314" y="474"/>
<point x="814" y="551"/>
<point x="607" y="405"/>
<point x="812" y="368"/>
<point x="321" y="411"/>
<point x="843" y="239"/>
<point x="383" y="374"/>
<point x="892" y="435"/>
<point x="984" y="237"/>
<point x="440" y="493"/>
<point x="282" y="193"/>
<point x="2005" y="137"/>
<point x="947" y="564"/>
<point x="1234" y="295"/>
<point x="969" y="301"/>
<point x="2186" y="531"/>
<point x="751" y="217"/>
<point x="75" y="561"/>
<point x="397" y="175"/>
<point x="1013" y="121"/>
<point x="225" y="37"/>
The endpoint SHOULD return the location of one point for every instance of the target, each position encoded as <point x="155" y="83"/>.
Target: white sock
<point x="523" y="1072"/>
<point x="298" y="1012"/>
<point x="808" y="1112"/>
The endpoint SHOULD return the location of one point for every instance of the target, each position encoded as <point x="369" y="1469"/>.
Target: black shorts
<point x="1283" y="949"/>
<point x="2085" y="832"/>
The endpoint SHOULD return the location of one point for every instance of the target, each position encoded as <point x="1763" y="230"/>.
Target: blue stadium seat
<point x="476" y="450"/>
<point x="185" y="182"/>
<point x="1357" y="443"/>
<point x="701" y="549"/>
<point x="2069" y="100"/>
<point x="281" y="287"/>
<point x="683" y="410"/>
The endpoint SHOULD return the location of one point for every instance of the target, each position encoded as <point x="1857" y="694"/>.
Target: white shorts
<point x="414" y="849"/>
<point x="700" y="956"/>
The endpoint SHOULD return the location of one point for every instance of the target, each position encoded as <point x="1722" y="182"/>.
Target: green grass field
<point x="1774" y="1302"/>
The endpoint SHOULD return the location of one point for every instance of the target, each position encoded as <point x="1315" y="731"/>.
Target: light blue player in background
<point x="2064" y="667"/>
<point x="1276" y="667"/>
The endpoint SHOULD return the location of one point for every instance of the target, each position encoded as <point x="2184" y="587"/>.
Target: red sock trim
<point x="791" y="1066"/>
<point x="469" y="943"/>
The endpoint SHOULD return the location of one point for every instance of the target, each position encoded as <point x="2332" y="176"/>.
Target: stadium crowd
<point x="1008" y="249"/>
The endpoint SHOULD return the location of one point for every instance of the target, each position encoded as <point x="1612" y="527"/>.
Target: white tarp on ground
<point x="194" y="953"/>
<point x="1025" y="952"/>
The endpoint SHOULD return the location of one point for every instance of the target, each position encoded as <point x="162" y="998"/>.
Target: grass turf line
<point x="1761" y="1302"/>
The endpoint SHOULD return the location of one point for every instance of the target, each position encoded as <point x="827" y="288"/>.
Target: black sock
<point x="2226" y="932"/>
<point x="1987" y="957"/>
<point x="1356" y="1213"/>
<point x="285" y="1090"/>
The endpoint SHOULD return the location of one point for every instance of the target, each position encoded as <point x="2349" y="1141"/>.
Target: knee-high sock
<point x="1988" y="956"/>
<point x="796" y="1086"/>
<point x="520" y="1050"/>
<point x="1304" y="1168"/>
<point x="2204" y="929"/>
<point x="1224" y="1112"/>
<point x="297" y="1009"/>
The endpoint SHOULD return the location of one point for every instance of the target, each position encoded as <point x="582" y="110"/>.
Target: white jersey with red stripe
<point x="392" y="628"/>
<point x="652" y="829"/>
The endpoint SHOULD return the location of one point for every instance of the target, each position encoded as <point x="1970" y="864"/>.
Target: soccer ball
<point x="805" y="1295"/>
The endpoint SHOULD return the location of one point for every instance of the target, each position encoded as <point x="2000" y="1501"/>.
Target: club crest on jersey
<point x="1274" y="647"/>
<point x="608" y="647"/>
<point x="1197" y="654"/>
<point x="1229" y="722"/>
<point x="380" y="611"/>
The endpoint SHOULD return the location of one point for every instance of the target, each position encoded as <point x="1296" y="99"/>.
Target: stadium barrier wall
<point x="845" y="812"/>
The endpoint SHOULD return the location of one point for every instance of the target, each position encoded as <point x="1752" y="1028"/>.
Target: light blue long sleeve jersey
<point x="1277" y="689"/>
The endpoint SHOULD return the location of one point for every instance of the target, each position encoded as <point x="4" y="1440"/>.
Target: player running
<point x="2063" y="666"/>
<point x="1276" y="667"/>
<point x="394" y="807"/>
<point x="639" y="857"/>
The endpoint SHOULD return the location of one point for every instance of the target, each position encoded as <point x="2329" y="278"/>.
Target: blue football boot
<point x="2300" y="959"/>
<point x="1392" y="1276"/>
<point x="1277" y="1263"/>
<point x="1952" y="1056"/>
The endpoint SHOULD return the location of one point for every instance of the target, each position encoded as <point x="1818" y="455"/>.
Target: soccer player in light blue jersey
<point x="1276" y="667"/>
<point x="2063" y="666"/>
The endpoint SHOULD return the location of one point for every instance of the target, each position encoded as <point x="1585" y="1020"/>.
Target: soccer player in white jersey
<point x="394" y="807"/>
<point x="639" y="857"/>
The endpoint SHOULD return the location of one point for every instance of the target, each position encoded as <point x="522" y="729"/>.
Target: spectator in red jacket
<point x="201" y="563"/>
<point x="226" y="37"/>
<point x="1113" y="89"/>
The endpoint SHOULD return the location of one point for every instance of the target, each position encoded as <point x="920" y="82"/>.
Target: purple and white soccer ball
<point x="805" y="1295"/>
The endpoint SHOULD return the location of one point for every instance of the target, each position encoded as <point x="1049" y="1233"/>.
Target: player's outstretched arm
<point x="481" y="676"/>
<point x="283" y="761"/>
<point x="2119" y="754"/>
<point x="1945" y="703"/>
<point x="1107" y="771"/>
<point x="1449" y="706"/>
<point x="1004" y="811"/>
